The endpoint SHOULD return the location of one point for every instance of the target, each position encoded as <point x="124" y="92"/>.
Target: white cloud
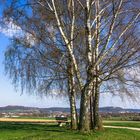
<point x="30" y="39"/>
<point x="10" y="29"/>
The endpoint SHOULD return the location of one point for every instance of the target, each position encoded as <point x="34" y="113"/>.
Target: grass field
<point x="26" y="131"/>
<point x="123" y="123"/>
<point x="52" y="120"/>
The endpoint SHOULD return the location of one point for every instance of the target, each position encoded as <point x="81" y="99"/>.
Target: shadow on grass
<point x="31" y="127"/>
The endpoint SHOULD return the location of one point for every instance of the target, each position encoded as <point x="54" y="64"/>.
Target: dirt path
<point x="121" y="121"/>
<point x="123" y="127"/>
<point x="30" y="120"/>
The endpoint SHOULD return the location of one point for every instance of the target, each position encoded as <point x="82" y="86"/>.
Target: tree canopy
<point x="82" y="46"/>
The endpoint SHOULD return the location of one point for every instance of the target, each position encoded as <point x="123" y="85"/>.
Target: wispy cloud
<point x="9" y="29"/>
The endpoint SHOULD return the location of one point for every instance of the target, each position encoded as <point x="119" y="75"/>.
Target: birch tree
<point x="46" y="48"/>
<point x="99" y="38"/>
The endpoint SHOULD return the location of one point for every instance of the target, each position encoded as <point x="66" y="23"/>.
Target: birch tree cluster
<point x="80" y="48"/>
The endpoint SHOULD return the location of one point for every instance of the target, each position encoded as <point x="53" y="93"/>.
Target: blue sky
<point x="9" y="96"/>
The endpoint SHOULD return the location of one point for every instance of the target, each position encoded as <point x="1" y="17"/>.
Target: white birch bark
<point x="67" y="42"/>
<point x="87" y="90"/>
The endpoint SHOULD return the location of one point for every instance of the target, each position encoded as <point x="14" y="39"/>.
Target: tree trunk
<point x="74" y="121"/>
<point x="91" y="111"/>
<point x="84" y="123"/>
<point x="97" y="120"/>
<point x="71" y="92"/>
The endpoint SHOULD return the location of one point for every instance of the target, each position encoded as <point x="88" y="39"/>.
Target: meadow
<point x="28" y="131"/>
<point x="135" y="124"/>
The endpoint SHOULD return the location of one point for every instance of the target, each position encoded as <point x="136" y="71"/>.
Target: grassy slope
<point x="11" y="131"/>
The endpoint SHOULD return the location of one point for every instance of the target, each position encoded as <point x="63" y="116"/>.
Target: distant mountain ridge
<point x="118" y="109"/>
<point x="10" y="108"/>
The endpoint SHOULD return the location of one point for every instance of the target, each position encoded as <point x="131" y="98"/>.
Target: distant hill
<point x="32" y="109"/>
<point x="118" y="109"/>
<point x="18" y="109"/>
<point x="61" y="109"/>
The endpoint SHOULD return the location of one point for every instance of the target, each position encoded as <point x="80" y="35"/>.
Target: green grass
<point x="113" y="118"/>
<point x="123" y="118"/>
<point x="36" y="118"/>
<point x="123" y="123"/>
<point x="17" y="131"/>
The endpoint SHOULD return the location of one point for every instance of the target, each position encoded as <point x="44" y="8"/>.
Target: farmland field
<point x="27" y="131"/>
